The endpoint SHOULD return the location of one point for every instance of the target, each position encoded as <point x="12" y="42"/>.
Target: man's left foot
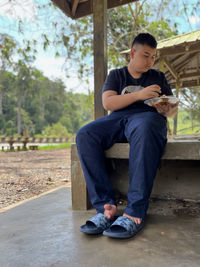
<point x="135" y="219"/>
<point x="124" y="227"/>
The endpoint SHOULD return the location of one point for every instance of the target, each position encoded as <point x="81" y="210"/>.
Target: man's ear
<point x="132" y="52"/>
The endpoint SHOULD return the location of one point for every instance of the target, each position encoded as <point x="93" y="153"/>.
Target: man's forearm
<point x="115" y="102"/>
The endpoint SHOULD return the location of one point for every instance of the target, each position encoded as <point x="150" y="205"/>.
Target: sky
<point x="26" y="10"/>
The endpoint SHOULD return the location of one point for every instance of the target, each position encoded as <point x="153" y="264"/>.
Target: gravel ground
<point x="26" y="174"/>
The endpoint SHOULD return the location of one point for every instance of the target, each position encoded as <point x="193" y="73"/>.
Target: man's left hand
<point x="167" y="109"/>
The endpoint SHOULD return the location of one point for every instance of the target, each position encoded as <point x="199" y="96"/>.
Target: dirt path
<point x="29" y="173"/>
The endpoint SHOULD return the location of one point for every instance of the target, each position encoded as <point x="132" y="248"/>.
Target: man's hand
<point x="149" y="92"/>
<point x="167" y="109"/>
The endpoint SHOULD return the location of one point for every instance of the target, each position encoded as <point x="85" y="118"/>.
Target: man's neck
<point x="133" y="73"/>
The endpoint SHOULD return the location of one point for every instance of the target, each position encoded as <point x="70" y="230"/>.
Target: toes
<point x="107" y="206"/>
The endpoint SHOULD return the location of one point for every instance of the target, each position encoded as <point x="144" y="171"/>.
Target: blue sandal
<point x="123" y="227"/>
<point x="96" y="225"/>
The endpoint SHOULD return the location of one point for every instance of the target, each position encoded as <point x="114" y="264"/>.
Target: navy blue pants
<point x="146" y="133"/>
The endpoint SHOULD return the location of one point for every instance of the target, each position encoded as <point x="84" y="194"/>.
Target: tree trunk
<point x="42" y="112"/>
<point x="19" y="115"/>
<point x="1" y="103"/>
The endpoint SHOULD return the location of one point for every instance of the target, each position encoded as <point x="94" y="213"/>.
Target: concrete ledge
<point x="177" y="178"/>
<point x="175" y="149"/>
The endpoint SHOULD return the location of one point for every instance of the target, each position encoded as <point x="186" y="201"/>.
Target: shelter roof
<point x="179" y="58"/>
<point x="79" y="8"/>
<point x="180" y="39"/>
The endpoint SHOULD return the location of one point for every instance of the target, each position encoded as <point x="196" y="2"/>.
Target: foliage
<point x="46" y="108"/>
<point x="57" y="129"/>
<point x="32" y="102"/>
<point x="185" y="124"/>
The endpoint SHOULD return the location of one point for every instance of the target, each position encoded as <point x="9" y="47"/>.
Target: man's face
<point x="142" y="57"/>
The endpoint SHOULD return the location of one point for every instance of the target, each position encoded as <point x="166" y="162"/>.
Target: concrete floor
<point x="44" y="232"/>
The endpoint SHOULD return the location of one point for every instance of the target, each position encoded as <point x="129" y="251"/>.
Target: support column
<point x="161" y="67"/>
<point x="176" y="117"/>
<point x="100" y="53"/>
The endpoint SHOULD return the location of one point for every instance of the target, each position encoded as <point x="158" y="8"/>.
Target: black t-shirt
<point x="122" y="82"/>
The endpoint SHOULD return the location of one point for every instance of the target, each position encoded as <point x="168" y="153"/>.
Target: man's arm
<point x="112" y="101"/>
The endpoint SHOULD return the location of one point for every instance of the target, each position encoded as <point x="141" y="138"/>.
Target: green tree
<point x="56" y="130"/>
<point x="23" y="85"/>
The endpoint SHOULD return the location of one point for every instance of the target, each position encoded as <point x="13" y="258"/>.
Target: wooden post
<point x="80" y="200"/>
<point x="100" y="53"/>
<point x="176" y="117"/>
<point x="162" y="68"/>
<point x="161" y="65"/>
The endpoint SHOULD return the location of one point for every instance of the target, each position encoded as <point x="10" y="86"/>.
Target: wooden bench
<point x="178" y="176"/>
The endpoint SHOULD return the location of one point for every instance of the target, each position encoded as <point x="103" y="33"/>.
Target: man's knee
<point x="81" y="135"/>
<point x="152" y="122"/>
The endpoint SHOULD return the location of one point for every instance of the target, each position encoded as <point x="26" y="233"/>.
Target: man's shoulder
<point x="118" y="71"/>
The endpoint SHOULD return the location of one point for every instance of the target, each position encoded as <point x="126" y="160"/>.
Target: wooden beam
<point x="185" y="62"/>
<point x="86" y="8"/>
<point x="100" y="53"/>
<point x="74" y="7"/>
<point x="190" y="75"/>
<point x="64" y="6"/>
<point x="170" y="68"/>
<point x="177" y="50"/>
<point x="83" y="9"/>
<point x="188" y="83"/>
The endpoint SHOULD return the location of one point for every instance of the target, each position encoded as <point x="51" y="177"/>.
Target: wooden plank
<point x="64" y="6"/>
<point x="100" y="53"/>
<point x="80" y="200"/>
<point x="74" y="7"/>
<point x="83" y="9"/>
<point x="171" y="68"/>
<point x="190" y="75"/>
<point x="188" y="83"/>
<point x="185" y="62"/>
<point x="175" y="149"/>
<point x="177" y="50"/>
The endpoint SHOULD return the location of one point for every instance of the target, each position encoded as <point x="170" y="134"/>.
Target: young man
<point x="144" y="127"/>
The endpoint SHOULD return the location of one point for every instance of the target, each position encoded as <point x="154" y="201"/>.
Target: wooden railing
<point x="33" y="141"/>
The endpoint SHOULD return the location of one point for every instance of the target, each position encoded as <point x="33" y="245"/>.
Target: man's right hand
<point x="149" y="92"/>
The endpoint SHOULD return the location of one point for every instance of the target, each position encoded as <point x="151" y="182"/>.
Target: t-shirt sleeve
<point x="166" y="89"/>
<point x="111" y="82"/>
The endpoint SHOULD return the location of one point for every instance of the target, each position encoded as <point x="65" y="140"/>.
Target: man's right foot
<point x="110" y="211"/>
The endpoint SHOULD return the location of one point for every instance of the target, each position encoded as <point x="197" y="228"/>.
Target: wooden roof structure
<point x="179" y="58"/>
<point x="79" y="8"/>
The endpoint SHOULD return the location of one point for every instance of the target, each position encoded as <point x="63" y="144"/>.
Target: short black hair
<point x="145" y="39"/>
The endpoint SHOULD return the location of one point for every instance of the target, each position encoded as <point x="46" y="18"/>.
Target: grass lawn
<point x="64" y="145"/>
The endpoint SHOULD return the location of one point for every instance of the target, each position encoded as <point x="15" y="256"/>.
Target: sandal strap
<point x="100" y="220"/>
<point x="126" y="223"/>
